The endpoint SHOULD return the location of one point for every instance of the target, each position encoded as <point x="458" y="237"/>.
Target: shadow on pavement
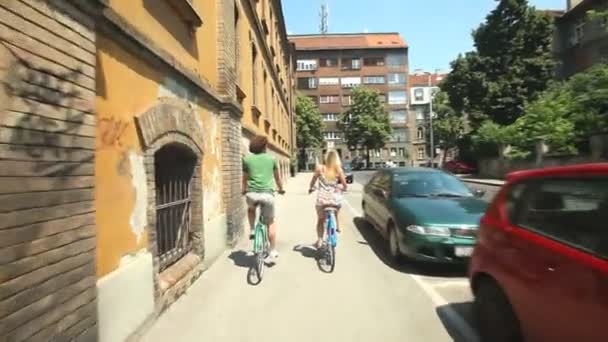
<point x="306" y="251"/>
<point x="457" y="318"/>
<point x="241" y="258"/>
<point x="380" y="247"/>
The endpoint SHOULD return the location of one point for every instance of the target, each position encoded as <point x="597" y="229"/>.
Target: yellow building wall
<point x="272" y="107"/>
<point x="160" y="22"/>
<point x="118" y="75"/>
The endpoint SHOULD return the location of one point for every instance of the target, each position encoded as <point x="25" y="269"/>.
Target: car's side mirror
<point x="479" y="192"/>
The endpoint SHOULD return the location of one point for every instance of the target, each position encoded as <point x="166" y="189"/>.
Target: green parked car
<point x="425" y="214"/>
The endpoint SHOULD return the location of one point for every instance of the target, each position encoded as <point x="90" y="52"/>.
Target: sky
<point x="435" y="30"/>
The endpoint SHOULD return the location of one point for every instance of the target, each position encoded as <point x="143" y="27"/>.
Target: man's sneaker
<point x="270" y="258"/>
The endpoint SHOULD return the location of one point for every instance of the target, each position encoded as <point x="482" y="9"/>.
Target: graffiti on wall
<point x="111" y="131"/>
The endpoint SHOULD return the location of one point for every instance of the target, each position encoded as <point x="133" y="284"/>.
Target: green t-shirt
<point x="260" y="171"/>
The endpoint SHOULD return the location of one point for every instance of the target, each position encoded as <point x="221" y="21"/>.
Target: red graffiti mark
<point x="111" y="132"/>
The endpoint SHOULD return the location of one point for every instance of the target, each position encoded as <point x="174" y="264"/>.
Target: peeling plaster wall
<point x="138" y="219"/>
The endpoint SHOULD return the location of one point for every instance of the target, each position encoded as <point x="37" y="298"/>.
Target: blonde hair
<point x="333" y="165"/>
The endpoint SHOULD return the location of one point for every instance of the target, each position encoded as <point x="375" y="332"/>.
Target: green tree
<point x="448" y="127"/>
<point x="309" y="126"/>
<point x="602" y="16"/>
<point x="366" y="124"/>
<point x="586" y="97"/>
<point x="512" y="64"/>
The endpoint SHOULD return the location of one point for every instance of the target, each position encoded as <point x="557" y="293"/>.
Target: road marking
<point x="452" y="283"/>
<point x="466" y="331"/>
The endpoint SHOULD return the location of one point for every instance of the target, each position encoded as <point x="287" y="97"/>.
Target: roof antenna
<point x="324" y="16"/>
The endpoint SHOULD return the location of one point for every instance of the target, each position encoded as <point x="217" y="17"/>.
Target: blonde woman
<point x="330" y="177"/>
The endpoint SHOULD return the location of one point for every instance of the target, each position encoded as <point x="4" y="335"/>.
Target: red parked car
<point x="457" y="167"/>
<point x="539" y="271"/>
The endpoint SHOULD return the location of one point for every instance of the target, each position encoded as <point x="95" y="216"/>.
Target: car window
<point x="572" y="211"/>
<point x="429" y="183"/>
<point x="514" y="195"/>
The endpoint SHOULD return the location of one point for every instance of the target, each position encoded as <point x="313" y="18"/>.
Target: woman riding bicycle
<point x="330" y="176"/>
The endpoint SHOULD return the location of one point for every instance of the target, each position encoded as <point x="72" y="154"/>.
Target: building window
<point x="419" y="94"/>
<point x="314" y="100"/>
<point x="579" y="30"/>
<point x="401" y="152"/>
<point x="174" y="167"/>
<point x="351" y="63"/>
<point x="373" y="61"/>
<point x="396" y="59"/>
<point x="254" y="74"/>
<point x="382" y="98"/>
<point x="325" y="99"/>
<point x="331" y="135"/>
<point x="350" y="82"/>
<point x="347" y="100"/>
<point x="307" y="64"/>
<point x="393" y="152"/>
<point x="399" y="135"/>
<point x="420" y="153"/>
<point x="374" y="80"/>
<point x="419" y="113"/>
<point x="307" y="83"/>
<point x="397" y="78"/>
<point x="397" y="97"/>
<point x="399" y="116"/>
<point x="329" y="81"/>
<point x="420" y="133"/>
<point x="331" y="116"/>
<point x="328" y="62"/>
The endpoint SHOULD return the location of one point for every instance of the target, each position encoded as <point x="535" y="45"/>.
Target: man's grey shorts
<point x="265" y="201"/>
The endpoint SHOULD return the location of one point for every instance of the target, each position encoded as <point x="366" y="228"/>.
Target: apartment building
<point x="328" y="68"/>
<point x="422" y="86"/>
<point x="578" y="41"/>
<point x="123" y="125"/>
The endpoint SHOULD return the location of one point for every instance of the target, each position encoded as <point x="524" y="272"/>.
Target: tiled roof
<point x="423" y="79"/>
<point x="348" y="41"/>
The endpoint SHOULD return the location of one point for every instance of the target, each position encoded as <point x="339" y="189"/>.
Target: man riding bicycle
<point x="260" y="173"/>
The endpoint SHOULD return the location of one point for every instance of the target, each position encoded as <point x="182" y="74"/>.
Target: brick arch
<point x="173" y="122"/>
<point x="170" y="116"/>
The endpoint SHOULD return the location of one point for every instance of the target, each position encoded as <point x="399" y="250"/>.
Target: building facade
<point x="578" y="41"/>
<point x="122" y="127"/>
<point x="422" y="86"/>
<point x="330" y="66"/>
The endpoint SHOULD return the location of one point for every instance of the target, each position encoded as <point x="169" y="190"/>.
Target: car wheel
<point x="393" y="243"/>
<point x="495" y="317"/>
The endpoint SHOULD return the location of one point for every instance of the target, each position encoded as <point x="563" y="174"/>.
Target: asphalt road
<point x="367" y="298"/>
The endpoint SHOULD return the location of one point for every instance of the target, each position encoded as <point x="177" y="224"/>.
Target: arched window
<point x="174" y="166"/>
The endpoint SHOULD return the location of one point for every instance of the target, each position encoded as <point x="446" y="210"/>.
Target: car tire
<point x="393" y="244"/>
<point x="494" y="315"/>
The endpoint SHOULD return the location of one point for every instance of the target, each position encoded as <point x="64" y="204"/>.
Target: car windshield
<point x="427" y="184"/>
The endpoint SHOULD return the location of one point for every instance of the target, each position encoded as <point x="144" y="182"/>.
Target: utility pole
<point x="324" y="17"/>
<point x="431" y="119"/>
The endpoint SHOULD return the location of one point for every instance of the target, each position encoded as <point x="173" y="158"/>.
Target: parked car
<point x="540" y="269"/>
<point x="454" y="166"/>
<point x="348" y="173"/>
<point x="425" y="214"/>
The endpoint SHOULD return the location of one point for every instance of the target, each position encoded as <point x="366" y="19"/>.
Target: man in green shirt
<point x="260" y="173"/>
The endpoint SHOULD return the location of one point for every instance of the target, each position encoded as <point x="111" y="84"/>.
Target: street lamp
<point x="430" y="75"/>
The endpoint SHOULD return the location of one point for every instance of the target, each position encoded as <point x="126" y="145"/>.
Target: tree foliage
<point x="309" y="124"/>
<point x="564" y="115"/>
<point x="511" y="65"/>
<point x="448" y="127"/>
<point x="366" y="124"/>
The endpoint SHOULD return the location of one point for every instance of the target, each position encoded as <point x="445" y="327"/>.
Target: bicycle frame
<point x="260" y="240"/>
<point x="331" y="226"/>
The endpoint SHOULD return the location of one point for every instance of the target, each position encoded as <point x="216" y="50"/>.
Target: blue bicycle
<point x="327" y="259"/>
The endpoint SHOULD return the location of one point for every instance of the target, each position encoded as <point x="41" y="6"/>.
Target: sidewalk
<point x="362" y="300"/>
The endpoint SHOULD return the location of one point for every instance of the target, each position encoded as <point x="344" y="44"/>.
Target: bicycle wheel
<point x="256" y="270"/>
